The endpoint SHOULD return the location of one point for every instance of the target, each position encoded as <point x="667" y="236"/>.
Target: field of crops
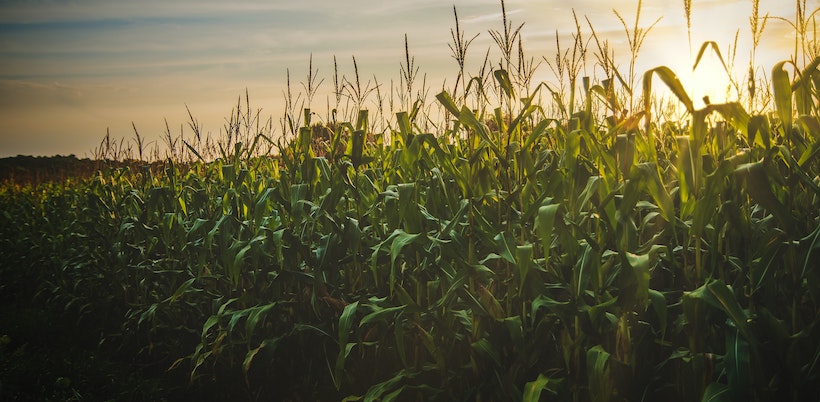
<point x="538" y="244"/>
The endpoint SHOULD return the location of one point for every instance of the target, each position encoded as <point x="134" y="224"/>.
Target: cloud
<point x="16" y="94"/>
<point x="490" y="17"/>
<point x="33" y="12"/>
<point x="111" y="60"/>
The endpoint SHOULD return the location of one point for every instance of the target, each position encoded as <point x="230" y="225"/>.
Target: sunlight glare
<point x="709" y="78"/>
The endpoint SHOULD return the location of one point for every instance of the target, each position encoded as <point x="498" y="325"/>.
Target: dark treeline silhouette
<point x="24" y="169"/>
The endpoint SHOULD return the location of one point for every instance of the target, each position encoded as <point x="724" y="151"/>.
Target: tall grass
<point x="546" y="243"/>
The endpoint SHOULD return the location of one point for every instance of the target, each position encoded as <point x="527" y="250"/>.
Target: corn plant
<point x="561" y="250"/>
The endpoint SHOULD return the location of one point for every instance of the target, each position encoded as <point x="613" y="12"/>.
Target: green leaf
<point x="462" y="211"/>
<point x="375" y="392"/>
<point x="590" y="190"/>
<point x="646" y="176"/>
<point x="469" y="119"/>
<point x="532" y="389"/>
<point x="235" y="269"/>
<point x="398" y="334"/>
<point x="408" y="207"/>
<point x="538" y="131"/>
<point x="305" y="140"/>
<point x="717" y="392"/>
<point x="718" y="295"/>
<point x="716" y="49"/>
<point x="447" y="101"/>
<point x="193" y="150"/>
<point x="758" y="185"/>
<point x="504" y="244"/>
<point x="658" y="302"/>
<point x="345" y="322"/>
<point x="229" y="172"/>
<point x="603" y="310"/>
<point x="640" y="267"/>
<point x="490" y="303"/>
<point x="503" y="79"/>
<point x="260" y="208"/>
<point x="598" y="374"/>
<point x="515" y="329"/>
<point x="689" y="169"/>
<point x="550" y="304"/>
<point x="430" y="344"/>
<point x="672" y="82"/>
<point x="706" y="208"/>
<point x="400" y="240"/>
<point x="361" y="120"/>
<point x="381" y="314"/>
<point x="181" y="290"/>
<point x="782" y="88"/>
<point x="298" y="193"/>
<point x="544" y="224"/>
<point x="355" y="147"/>
<point x="584" y="270"/>
<point x="253" y="318"/>
<point x="235" y="317"/>
<point x="209" y="323"/>
<point x="812" y="125"/>
<point x="759" y="131"/>
<point x="812" y="252"/>
<point x="393" y="395"/>
<point x="246" y="364"/>
<point x="738" y="365"/>
<point x="523" y="256"/>
<point x="486" y="349"/>
<point x="525" y="113"/>
<point x="734" y="113"/>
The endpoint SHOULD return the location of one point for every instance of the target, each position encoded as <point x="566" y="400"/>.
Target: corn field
<point x="537" y="244"/>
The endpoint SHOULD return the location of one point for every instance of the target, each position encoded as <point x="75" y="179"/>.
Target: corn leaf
<point x="447" y="101"/>
<point x="640" y="268"/>
<point x="672" y="82"/>
<point x="717" y="392"/>
<point x="544" y="224"/>
<point x="781" y="86"/>
<point x="345" y="322"/>
<point x="738" y="365"/>
<point x="532" y="389"/>
<point x="503" y="79"/>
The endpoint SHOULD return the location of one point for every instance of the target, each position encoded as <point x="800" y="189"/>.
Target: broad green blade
<point x="345" y="322"/>
<point x="640" y="268"/>
<point x="672" y="82"/>
<point x="544" y="224"/>
<point x="447" y="101"/>
<point x="717" y="392"/>
<point x="503" y="79"/>
<point x="782" y="89"/>
<point x="738" y="365"/>
<point x="532" y="389"/>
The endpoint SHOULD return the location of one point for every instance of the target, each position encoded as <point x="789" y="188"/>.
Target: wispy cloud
<point x="110" y="60"/>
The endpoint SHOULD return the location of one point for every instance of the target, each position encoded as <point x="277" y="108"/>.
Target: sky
<point x="73" y="70"/>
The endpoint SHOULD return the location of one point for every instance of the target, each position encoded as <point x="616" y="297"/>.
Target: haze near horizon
<point x="73" y="71"/>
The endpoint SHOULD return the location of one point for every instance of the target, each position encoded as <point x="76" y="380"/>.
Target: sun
<point x="708" y="81"/>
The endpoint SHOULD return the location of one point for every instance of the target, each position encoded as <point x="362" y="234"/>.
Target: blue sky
<point x="71" y="70"/>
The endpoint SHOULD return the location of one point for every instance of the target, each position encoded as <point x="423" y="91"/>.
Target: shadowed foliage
<point x="538" y="244"/>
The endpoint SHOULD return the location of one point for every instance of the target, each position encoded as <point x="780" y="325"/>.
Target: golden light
<point x="709" y="80"/>
<point x="706" y="81"/>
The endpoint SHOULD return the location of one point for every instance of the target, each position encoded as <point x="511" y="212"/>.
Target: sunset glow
<point x="72" y="70"/>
